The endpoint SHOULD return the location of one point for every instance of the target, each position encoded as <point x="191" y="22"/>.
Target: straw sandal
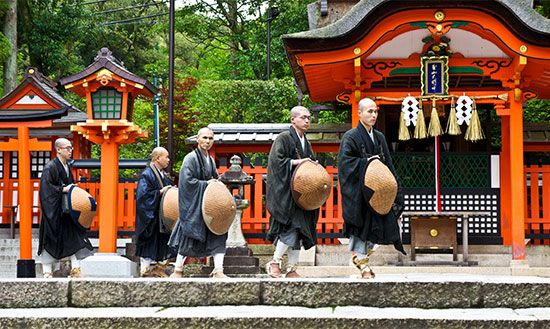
<point x="363" y="266"/>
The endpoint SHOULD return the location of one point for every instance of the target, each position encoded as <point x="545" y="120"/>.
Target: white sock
<point x="180" y="259"/>
<point x="280" y="250"/>
<point x="361" y="256"/>
<point x="145" y="263"/>
<point x="47" y="268"/>
<point x="293" y="257"/>
<point x="75" y="262"/>
<point x="47" y="262"/>
<point x="218" y="261"/>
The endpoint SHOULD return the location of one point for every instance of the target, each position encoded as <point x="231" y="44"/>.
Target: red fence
<point x="255" y="219"/>
<point x="537" y="199"/>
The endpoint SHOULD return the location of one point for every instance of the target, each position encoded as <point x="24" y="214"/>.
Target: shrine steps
<point x="388" y="301"/>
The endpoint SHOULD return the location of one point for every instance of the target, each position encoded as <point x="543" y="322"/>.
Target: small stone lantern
<point x="238" y="258"/>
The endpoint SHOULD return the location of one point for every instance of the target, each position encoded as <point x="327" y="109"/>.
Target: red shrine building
<point x="468" y="66"/>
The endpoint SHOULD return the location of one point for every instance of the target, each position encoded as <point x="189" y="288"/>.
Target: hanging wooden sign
<point x="435" y="75"/>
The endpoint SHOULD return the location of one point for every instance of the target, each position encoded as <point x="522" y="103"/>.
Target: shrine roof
<point x="105" y="59"/>
<point x="265" y="133"/>
<point x="518" y="13"/>
<point x="322" y="59"/>
<point x="18" y="105"/>
<point x="536" y="132"/>
<point x="17" y="116"/>
<point x="42" y="82"/>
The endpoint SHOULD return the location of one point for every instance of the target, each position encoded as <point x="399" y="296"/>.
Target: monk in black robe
<point x="191" y="237"/>
<point x="365" y="228"/>
<point x="60" y="235"/>
<point x="151" y="244"/>
<point x="290" y="227"/>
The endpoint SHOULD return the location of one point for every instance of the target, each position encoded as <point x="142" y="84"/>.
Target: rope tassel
<point x="474" y="132"/>
<point x="434" y="129"/>
<point x="452" y="125"/>
<point x="420" y="129"/>
<point x="404" y="134"/>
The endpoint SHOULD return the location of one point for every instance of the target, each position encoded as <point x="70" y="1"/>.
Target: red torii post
<point x="24" y="145"/>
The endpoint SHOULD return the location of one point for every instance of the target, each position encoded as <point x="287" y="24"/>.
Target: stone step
<point x="15" y="242"/>
<point x="446" y="270"/>
<point x="240" y="261"/>
<point x="428" y="291"/>
<point x="237" y="317"/>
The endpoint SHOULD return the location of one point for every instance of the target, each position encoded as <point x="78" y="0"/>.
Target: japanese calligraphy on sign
<point x="435" y="75"/>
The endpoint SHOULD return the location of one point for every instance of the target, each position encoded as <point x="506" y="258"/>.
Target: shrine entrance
<point x="450" y="78"/>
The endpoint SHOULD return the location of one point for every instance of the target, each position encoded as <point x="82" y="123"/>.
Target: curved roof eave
<point x="50" y="115"/>
<point x="349" y="29"/>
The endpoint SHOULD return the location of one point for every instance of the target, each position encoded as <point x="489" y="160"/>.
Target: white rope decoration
<point x="409" y="107"/>
<point x="464" y="109"/>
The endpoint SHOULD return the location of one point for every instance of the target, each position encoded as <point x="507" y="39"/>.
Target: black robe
<point x="150" y="242"/>
<point x="359" y="220"/>
<point x="286" y="215"/>
<point x="191" y="236"/>
<point x="60" y="235"/>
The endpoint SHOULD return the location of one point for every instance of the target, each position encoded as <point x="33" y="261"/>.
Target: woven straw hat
<point x="381" y="181"/>
<point x="82" y="206"/>
<point x="218" y="208"/>
<point x="169" y="209"/>
<point x="310" y="185"/>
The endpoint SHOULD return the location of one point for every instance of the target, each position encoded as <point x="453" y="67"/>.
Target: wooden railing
<point x="255" y="219"/>
<point x="537" y="199"/>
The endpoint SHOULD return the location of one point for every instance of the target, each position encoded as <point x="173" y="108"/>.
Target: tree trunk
<point x="10" y="30"/>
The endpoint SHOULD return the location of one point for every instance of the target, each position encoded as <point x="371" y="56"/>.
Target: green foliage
<point x="536" y="110"/>
<point x="184" y="118"/>
<point x="52" y="35"/>
<point x="243" y="101"/>
<point x="140" y="149"/>
<point x="5" y="48"/>
<point x="232" y="44"/>
<point x="544" y="8"/>
<point x="292" y="18"/>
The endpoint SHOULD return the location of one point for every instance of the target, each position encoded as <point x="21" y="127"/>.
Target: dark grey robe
<point x="60" y="235"/>
<point x="150" y="242"/>
<point x="286" y="216"/>
<point x="190" y="236"/>
<point x="359" y="220"/>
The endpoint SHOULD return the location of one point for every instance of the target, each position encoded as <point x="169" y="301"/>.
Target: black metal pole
<point x="170" y="82"/>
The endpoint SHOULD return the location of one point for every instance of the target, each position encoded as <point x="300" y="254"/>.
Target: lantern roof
<point x="106" y="60"/>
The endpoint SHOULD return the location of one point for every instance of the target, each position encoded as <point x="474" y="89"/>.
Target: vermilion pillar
<point x="108" y="193"/>
<point x="354" y="109"/>
<point x="23" y="145"/>
<point x="517" y="183"/>
<point x="505" y="196"/>
<point x="25" y="195"/>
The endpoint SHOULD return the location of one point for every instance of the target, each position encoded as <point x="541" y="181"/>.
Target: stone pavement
<point x="411" y="300"/>
<point x="274" y="317"/>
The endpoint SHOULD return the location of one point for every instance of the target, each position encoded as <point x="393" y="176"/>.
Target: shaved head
<point x="204" y="130"/>
<point x="62" y="142"/>
<point x="297" y="110"/>
<point x="157" y="151"/>
<point x="364" y="103"/>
